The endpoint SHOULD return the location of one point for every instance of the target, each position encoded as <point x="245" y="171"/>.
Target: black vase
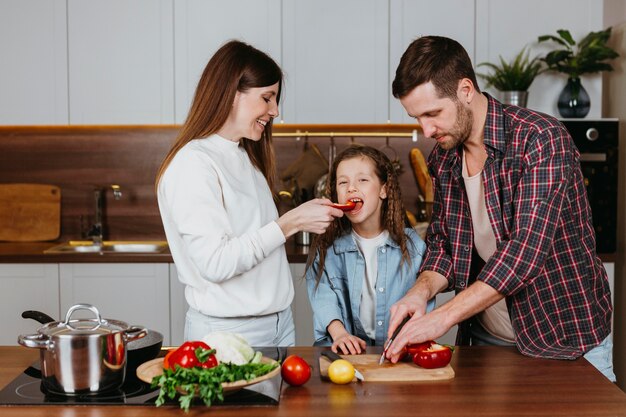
<point x="574" y="101"/>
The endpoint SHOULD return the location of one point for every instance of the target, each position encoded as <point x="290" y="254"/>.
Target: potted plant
<point x="513" y="78"/>
<point x="587" y="57"/>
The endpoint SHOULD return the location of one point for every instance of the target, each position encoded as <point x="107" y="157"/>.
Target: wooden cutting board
<point x="401" y="371"/>
<point x="30" y="212"/>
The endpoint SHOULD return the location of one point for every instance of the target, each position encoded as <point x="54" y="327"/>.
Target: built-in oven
<point x="597" y="140"/>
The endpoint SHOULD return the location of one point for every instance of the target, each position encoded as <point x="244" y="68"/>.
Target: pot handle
<point x="134" y="333"/>
<point x="38" y="341"/>
<point x="77" y="307"/>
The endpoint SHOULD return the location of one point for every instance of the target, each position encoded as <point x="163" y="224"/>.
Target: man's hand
<point x="414" y="303"/>
<point x="476" y="298"/>
<point x="419" y="329"/>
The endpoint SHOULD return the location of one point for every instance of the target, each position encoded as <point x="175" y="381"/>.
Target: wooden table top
<point x="490" y="381"/>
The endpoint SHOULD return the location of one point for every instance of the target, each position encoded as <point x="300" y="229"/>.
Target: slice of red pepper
<point x="436" y="356"/>
<point x="191" y="354"/>
<point x="347" y="206"/>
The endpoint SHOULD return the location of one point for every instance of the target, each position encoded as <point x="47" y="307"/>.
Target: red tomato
<point x="295" y="370"/>
<point x="192" y="354"/>
<point x="436" y="356"/>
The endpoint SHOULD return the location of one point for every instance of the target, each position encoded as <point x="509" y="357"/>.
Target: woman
<point x="214" y="193"/>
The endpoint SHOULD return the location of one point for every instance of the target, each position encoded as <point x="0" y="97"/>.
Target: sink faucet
<point x="97" y="229"/>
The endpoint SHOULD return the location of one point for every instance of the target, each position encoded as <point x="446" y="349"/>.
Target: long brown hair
<point x="392" y="214"/>
<point x="236" y="66"/>
<point x="443" y="61"/>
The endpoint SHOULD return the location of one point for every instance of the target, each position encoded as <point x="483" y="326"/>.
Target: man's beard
<point x="461" y="130"/>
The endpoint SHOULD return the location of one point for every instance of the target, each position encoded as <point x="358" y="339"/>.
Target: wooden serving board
<point x="401" y="371"/>
<point x="148" y="370"/>
<point x="30" y="212"/>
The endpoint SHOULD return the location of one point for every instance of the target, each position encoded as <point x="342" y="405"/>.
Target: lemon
<point x="341" y="371"/>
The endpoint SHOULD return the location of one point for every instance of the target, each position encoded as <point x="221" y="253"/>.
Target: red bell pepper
<point x="436" y="356"/>
<point x="192" y="354"/>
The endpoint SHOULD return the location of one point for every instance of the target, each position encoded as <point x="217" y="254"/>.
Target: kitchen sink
<point x="110" y="246"/>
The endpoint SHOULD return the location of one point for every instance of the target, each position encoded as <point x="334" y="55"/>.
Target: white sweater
<point x="219" y="219"/>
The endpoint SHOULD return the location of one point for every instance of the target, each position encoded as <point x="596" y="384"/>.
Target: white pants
<point x="271" y="330"/>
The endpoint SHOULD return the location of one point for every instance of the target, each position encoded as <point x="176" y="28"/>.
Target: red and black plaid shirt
<point x="545" y="264"/>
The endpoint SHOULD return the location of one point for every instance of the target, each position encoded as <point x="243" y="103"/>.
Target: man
<point x="511" y="229"/>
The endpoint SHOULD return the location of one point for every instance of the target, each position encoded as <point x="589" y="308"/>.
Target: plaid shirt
<point x="545" y="264"/>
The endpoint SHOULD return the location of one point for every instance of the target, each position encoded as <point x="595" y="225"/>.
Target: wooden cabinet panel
<point x="121" y="62"/>
<point x="26" y="287"/>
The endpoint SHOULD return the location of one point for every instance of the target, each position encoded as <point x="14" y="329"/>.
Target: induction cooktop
<point x="27" y="389"/>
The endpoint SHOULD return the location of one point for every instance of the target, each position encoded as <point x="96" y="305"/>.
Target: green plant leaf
<point x="588" y="56"/>
<point x="567" y="36"/>
<point x="516" y="75"/>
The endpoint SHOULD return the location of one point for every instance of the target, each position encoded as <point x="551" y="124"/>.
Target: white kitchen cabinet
<point x="335" y="57"/>
<point x="136" y="293"/>
<point x="121" y="67"/>
<point x="301" y="307"/>
<point x="201" y="27"/>
<point x="33" y="74"/>
<point x="410" y="19"/>
<point x="504" y="27"/>
<point x="26" y="287"/>
<point x="178" y="308"/>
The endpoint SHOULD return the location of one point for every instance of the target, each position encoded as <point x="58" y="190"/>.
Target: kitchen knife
<point x="333" y="357"/>
<point x="393" y="336"/>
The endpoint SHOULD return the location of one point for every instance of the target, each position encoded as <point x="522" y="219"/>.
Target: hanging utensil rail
<point x="333" y="131"/>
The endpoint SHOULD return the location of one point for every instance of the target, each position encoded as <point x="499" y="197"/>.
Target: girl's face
<point x="252" y="110"/>
<point x="357" y="180"/>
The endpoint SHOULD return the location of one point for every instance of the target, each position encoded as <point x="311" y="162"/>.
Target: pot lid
<point x="83" y="327"/>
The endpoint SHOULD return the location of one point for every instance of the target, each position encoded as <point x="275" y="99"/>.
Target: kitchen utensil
<point x="401" y="371"/>
<point x="333" y="357"/>
<point x="420" y="170"/>
<point x="82" y="356"/>
<point x="393" y="336"/>
<point x="138" y="351"/>
<point x="30" y="212"/>
<point x="147" y="371"/>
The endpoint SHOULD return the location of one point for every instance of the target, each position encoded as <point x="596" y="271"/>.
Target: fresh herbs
<point x="204" y="383"/>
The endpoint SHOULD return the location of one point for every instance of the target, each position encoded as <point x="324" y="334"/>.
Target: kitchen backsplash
<point x="80" y="158"/>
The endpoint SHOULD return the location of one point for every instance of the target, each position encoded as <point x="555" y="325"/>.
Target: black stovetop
<point x="26" y="389"/>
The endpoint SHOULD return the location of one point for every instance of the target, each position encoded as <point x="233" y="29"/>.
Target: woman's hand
<point x="313" y="216"/>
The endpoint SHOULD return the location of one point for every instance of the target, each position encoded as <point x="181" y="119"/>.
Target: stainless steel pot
<point x="83" y="356"/>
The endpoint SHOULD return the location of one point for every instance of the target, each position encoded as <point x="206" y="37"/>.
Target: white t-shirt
<point x="220" y="221"/>
<point x="495" y="319"/>
<point x="369" y="250"/>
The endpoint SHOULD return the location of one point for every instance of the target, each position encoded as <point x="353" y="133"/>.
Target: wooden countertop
<point x="33" y="252"/>
<point x="490" y="381"/>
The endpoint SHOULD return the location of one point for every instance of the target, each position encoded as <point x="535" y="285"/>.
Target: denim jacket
<point x="338" y="295"/>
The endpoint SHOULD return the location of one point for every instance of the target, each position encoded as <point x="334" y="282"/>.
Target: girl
<point x="214" y="194"/>
<point x="365" y="261"/>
